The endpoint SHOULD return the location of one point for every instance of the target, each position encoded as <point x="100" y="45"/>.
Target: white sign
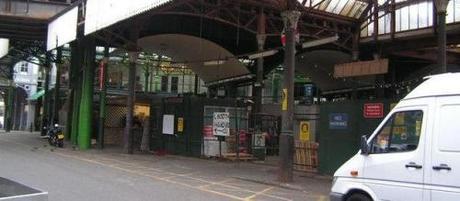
<point x="4" y="47"/>
<point x="221" y="124"/>
<point x="258" y="140"/>
<point x="103" y="13"/>
<point x="63" y="29"/>
<point x="168" y="124"/>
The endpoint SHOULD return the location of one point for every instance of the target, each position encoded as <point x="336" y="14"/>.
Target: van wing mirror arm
<point x="364" y="145"/>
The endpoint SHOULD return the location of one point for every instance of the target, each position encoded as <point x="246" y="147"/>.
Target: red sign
<point x="373" y="110"/>
<point x="207" y="132"/>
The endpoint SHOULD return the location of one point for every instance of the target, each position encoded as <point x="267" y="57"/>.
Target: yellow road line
<point x="153" y="177"/>
<point x="215" y="183"/>
<point x="258" y="193"/>
<point x="166" y="179"/>
<point x="322" y="198"/>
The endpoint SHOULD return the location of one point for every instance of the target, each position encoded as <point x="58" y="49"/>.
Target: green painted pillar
<point x="86" y="101"/>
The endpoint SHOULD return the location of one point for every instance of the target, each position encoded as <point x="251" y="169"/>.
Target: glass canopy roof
<point x="348" y="8"/>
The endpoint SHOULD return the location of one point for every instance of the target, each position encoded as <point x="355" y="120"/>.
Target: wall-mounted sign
<point x="338" y="121"/>
<point x="221" y="124"/>
<point x="4" y="47"/>
<point x="304" y="129"/>
<point x="361" y="68"/>
<point x="284" y="104"/>
<point x="168" y="124"/>
<point x="373" y="110"/>
<point x="180" y="124"/>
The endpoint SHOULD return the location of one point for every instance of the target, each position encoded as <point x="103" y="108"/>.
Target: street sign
<point x="221" y="124"/>
<point x="373" y="110"/>
<point x="304" y="129"/>
<point x="258" y="140"/>
<point x="338" y="121"/>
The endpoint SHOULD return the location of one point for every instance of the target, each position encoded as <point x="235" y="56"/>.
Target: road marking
<point x="322" y="198"/>
<point x="215" y="183"/>
<point x="258" y="193"/>
<point x="165" y="179"/>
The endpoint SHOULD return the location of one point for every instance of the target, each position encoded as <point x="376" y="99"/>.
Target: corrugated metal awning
<point x="103" y="13"/>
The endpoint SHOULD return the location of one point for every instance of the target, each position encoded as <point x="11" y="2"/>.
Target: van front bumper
<point x="335" y="196"/>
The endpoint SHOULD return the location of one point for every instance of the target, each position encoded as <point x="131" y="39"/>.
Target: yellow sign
<point x="284" y="105"/>
<point x="304" y="129"/>
<point x="180" y="124"/>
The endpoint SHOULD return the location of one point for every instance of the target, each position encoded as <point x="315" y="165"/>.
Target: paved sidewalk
<point x="226" y="180"/>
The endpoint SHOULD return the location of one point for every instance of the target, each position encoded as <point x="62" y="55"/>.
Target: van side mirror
<point x="364" y="146"/>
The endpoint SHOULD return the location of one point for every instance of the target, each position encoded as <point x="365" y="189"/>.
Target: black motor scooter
<point x="56" y="136"/>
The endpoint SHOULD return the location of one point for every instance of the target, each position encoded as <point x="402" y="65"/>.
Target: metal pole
<point x="237" y="131"/>
<point x="71" y="106"/>
<point x="127" y="137"/>
<point x="146" y="76"/>
<point x="196" y="84"/>
<point x="9" y="108"/>
<point x="290" y="18"/>
<point x="46" y="101"/>
<point x="261" y="37"/>
<point x="133" y="55"/>
<point x="57" y="86"/>
<point x="442" y="56"/>
<point x="77" y="56"/>
<point x="441" y="11"/>
<point x="102" y="98"/>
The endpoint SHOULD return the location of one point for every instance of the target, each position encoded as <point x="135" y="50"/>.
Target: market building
<point x="291" y="81"/>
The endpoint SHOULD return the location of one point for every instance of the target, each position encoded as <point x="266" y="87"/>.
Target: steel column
<point x="9" y="108"/>
<point x="57" y="86"/>
<point x="86" y="102"/>
<point x="102" y="98"/>
<point x="261" y="38"/>
<point x="46" y="100"/>
<point x="442" y="48"/>
<point x="291" y="18"/>
<point x="128" y="135"/>
<point x="441" y="11"/>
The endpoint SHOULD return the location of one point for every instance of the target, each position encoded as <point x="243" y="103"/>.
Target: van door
<point x="445" y="159"/>
<point x="394" y="168"/>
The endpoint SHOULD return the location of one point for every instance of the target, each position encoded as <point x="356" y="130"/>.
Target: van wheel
<point x="358" y="197"/>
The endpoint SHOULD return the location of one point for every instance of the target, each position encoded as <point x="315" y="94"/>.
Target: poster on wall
<point x="221" y="124"/>
<point x="304" y="134"/>
<point x="168" y="124"/>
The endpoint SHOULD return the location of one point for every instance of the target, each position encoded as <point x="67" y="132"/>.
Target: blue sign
<point x="338" y="121"/>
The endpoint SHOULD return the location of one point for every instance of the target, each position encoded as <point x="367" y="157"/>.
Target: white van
<point x="414" y="154"/>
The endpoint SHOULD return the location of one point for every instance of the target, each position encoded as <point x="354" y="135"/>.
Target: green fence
<point x="341" y="127"/>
